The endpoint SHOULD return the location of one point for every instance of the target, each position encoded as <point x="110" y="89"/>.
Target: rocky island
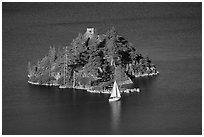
<point x="92" y="62"/>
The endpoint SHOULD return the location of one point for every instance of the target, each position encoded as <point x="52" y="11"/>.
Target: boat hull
<point x="114" y="99"/>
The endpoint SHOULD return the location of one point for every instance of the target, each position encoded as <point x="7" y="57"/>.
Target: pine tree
<point x="52" y="53"/>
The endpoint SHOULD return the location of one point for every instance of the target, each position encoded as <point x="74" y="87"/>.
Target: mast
<point x="117" y="91"/>
<point x="73" y="80"/>
<point x="114" y="92"/>
<point x="64" y="72"/>
<point x="114" y="89"/>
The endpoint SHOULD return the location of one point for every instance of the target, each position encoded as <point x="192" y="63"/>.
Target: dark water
<point x="169" y="33"/>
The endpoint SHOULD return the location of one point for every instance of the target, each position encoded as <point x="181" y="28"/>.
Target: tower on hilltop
<point x="89" y="32"/>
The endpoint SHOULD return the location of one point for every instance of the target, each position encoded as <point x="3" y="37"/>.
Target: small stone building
<point x="89" y="32"/>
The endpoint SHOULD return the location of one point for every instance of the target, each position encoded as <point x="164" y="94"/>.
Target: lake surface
<point x="169" y="33"/>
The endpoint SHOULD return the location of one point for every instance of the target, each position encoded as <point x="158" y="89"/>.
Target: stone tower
<point x="89" y="32"/>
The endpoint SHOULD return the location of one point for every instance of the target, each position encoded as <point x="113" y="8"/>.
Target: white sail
<point x="115" y="91"/>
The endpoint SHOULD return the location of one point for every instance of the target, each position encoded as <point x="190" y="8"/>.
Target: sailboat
<point x="115" y="94"/>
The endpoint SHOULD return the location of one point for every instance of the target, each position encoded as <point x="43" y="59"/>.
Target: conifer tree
<point x="52" y="53"/>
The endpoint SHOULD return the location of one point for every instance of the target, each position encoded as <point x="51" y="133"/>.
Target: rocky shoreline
<point x="88" y="89"/>
<point x="151" y="74"/>
<point x="98" y="91"/>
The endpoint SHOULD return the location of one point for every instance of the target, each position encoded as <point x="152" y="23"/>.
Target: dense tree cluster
<point x="91" y="62"/>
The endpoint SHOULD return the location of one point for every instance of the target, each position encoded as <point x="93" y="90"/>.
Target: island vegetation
<point x="92" y="62"/>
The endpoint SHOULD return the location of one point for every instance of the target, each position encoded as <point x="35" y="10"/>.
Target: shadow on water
<point x="145" y="83"/>
<point x="52" y="94"/>
<point x="66" y="96"/>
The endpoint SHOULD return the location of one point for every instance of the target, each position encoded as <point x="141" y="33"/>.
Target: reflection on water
<point x="115" y="115"/>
